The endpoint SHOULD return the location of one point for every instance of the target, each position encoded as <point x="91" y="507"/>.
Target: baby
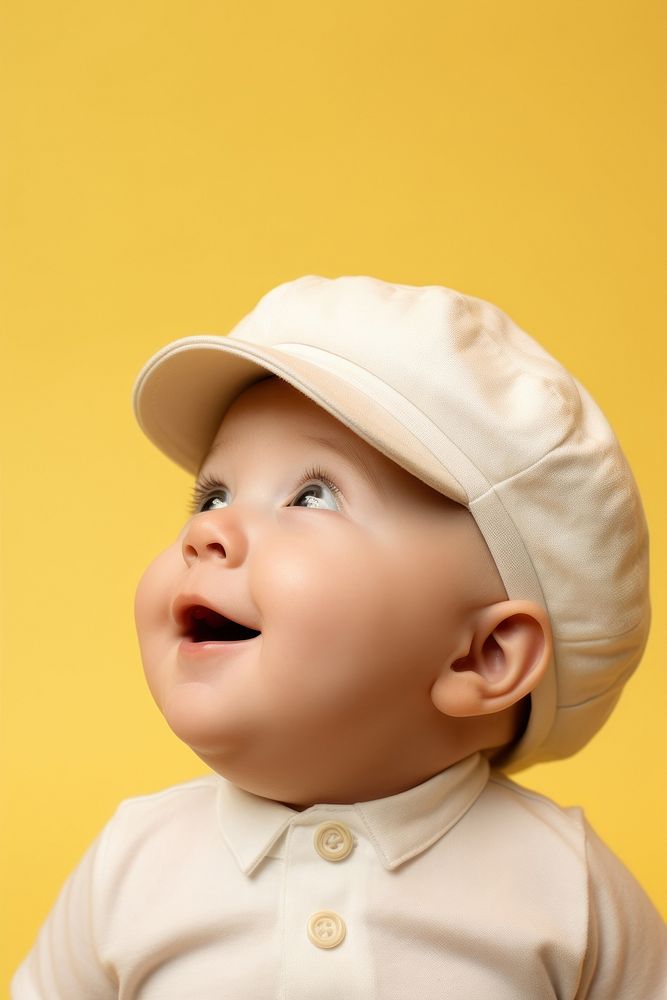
<point x="416" y="559"/>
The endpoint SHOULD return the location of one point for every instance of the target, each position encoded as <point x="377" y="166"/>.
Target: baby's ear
<point x="508" y="656"/>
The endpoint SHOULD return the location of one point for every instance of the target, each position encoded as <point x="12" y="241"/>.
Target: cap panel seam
<point x="598" y="639"/>
<point x="524" y="471"/>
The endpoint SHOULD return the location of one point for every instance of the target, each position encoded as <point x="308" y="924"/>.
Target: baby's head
<point x="396" y="523"/>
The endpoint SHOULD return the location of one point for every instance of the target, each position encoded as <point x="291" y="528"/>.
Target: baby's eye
<point x="209" y="494"/>
<point x="323" y="494"/>
<point x="214" y="502"/>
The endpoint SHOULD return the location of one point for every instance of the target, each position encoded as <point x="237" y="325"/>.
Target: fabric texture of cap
<point x="451" y="389"/>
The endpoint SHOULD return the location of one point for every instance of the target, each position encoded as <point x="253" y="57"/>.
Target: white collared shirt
<point x="467" y="887"/>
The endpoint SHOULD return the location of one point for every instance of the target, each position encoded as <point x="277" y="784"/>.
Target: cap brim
<point x="182" y="393"/>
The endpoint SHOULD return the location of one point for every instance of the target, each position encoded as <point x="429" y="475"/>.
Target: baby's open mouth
<point x="205" y="625"/>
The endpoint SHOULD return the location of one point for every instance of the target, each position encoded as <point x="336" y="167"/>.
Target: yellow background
<point x="164" y="165"/>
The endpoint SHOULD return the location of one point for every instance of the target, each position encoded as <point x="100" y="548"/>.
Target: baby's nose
<point x="215" y="534"/>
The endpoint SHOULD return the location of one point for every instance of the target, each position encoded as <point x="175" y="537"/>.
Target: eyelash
<point x="317" y="472"/>
<point x="202" y="491"/>
<point x="208" y="485"/>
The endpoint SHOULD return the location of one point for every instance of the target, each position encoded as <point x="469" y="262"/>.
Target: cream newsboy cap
<point x="451" y="389"/>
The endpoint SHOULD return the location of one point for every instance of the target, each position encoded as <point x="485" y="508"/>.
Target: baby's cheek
<point x="324" y="593"/>
<point x="152" y="603"/>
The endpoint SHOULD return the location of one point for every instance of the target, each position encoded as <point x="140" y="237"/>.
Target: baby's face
<point x="354" y="582"/>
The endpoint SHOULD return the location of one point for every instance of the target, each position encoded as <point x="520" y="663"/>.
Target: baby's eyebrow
<point x="347" y="450"/>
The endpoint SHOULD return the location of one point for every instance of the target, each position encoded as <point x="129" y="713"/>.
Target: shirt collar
<point x="399" y="826"/>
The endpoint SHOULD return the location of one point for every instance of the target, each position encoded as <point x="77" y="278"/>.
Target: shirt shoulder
<point x="172" y="799"/>
<point x="175" y="815"/>
<point x="623" y="938"/>
<point x="537" y="821"/>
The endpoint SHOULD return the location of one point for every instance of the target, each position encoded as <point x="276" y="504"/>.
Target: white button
<point x="333" y="841"/>
<point x="326" y="929"/>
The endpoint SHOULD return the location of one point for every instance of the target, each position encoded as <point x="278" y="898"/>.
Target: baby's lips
<point x="184" y="610"/>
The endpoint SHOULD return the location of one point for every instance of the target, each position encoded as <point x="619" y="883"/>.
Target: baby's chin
<point x="197" y="721"/>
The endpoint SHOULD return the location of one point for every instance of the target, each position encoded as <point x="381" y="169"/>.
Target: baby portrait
<point x="348" y="679"/>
